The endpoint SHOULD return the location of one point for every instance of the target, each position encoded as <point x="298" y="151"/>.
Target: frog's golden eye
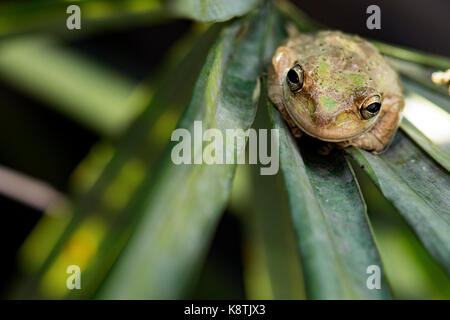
<point x="294" y="78"/>
<point x="370" y="107"/>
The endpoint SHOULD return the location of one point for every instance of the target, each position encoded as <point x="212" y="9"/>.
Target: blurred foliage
<point x="140" y="226"/>
<point x="180" y="223"/>
<point x="81" y="89"/>
<point x="49" y="16"/>
<point x="211" y="11"/>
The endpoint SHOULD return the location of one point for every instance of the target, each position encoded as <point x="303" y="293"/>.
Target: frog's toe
<point x="369" y="142"/>
<point x="296" y="132"/>
<point x="326" y="149"/>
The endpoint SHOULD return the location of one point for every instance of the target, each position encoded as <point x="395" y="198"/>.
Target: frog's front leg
<point x="380" y="136"/>
<point x="295" y="130"/>
<point x="326" y="149"/>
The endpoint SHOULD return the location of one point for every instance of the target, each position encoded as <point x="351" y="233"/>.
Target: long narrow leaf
<point x="182" y="207"/>
<point x="329" y="216"/>
<point x="418" y="73"/>
<point x="271" y="260"/>
<point x="437" y="153"/>
<point x="302" y="21"/>
<point x="271" y="270"/>
<point x="107" y="199"/>
<point x="418" y="188"/>
<point x="271" y="263"/>
<point x="87" y="91"/>
<point x="442" y="101"/>
<point x="416" y="56"/>
<point x="211" y="11"/>
<point x="50" y="16"/>
<point x="429" y="126"/>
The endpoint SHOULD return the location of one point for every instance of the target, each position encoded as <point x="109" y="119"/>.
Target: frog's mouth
<point x="328" y="138"/>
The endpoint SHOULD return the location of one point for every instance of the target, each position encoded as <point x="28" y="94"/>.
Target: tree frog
<point x="337" y="88"/>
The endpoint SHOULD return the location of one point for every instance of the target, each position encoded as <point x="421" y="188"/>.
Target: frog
<point x="338" y="88"/>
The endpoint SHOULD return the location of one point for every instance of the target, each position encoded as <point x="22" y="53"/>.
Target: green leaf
<point x="272" y="267"/>
<point x="271" y="270"/>
<point x="80" y="88"/>
<point x="211" y="11"/>
<point x="297" y="17"/>
<point x="181" y="207"/>
<point x="106" y="204"/>
<point x="438" y="154"/>
<point x="424" y="121"/>
<point x="416" y="56"/>
<point x="442" y="101"/>
<point x="418" y="188"/>
<point x="271" y="264"/>
<point x="329" y="215"/>
<point x="428" y="125"/>
<point x="412" y="272"/>
<point x="50" y="15"/>
<point x="419" y="74"/>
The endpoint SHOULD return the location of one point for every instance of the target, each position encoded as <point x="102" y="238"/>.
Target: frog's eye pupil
<point x="374" y="107"/>
<point x="371" y="107"/>
<point x="294" y="78"/>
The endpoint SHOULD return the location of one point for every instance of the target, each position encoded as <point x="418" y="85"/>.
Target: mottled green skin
<point x="340" y="72"/>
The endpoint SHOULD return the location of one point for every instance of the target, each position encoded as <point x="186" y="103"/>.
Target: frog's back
<point x="351" y="56"/>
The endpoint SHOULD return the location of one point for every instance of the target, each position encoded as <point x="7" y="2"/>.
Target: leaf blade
<point x="439" y="155"/>
<point x="108" y="194"/>
<point x="331" y="270"/>
<point x="211" y="11"/>
<point x="418" y="188"/>
<point x="427" y="125"/>
<point x="412" y="55"/>
<point x="94" y="95"/>
<point x="50" y="16"/>
<point x="176" y="228"/>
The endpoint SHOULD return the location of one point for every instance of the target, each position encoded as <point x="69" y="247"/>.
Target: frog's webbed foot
<point x="380" y="136"/>
<point x="296" y="132"/>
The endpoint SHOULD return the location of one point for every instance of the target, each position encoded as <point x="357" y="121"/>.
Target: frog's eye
<point x="370" y="107"/>
<point x="294" y="78"/>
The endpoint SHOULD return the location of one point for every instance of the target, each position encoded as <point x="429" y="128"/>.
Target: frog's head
<point x="329" y="94"/>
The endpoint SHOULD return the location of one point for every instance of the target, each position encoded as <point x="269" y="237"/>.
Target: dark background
<point x="422" y="25"/>
<point x="28" y="142"/>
